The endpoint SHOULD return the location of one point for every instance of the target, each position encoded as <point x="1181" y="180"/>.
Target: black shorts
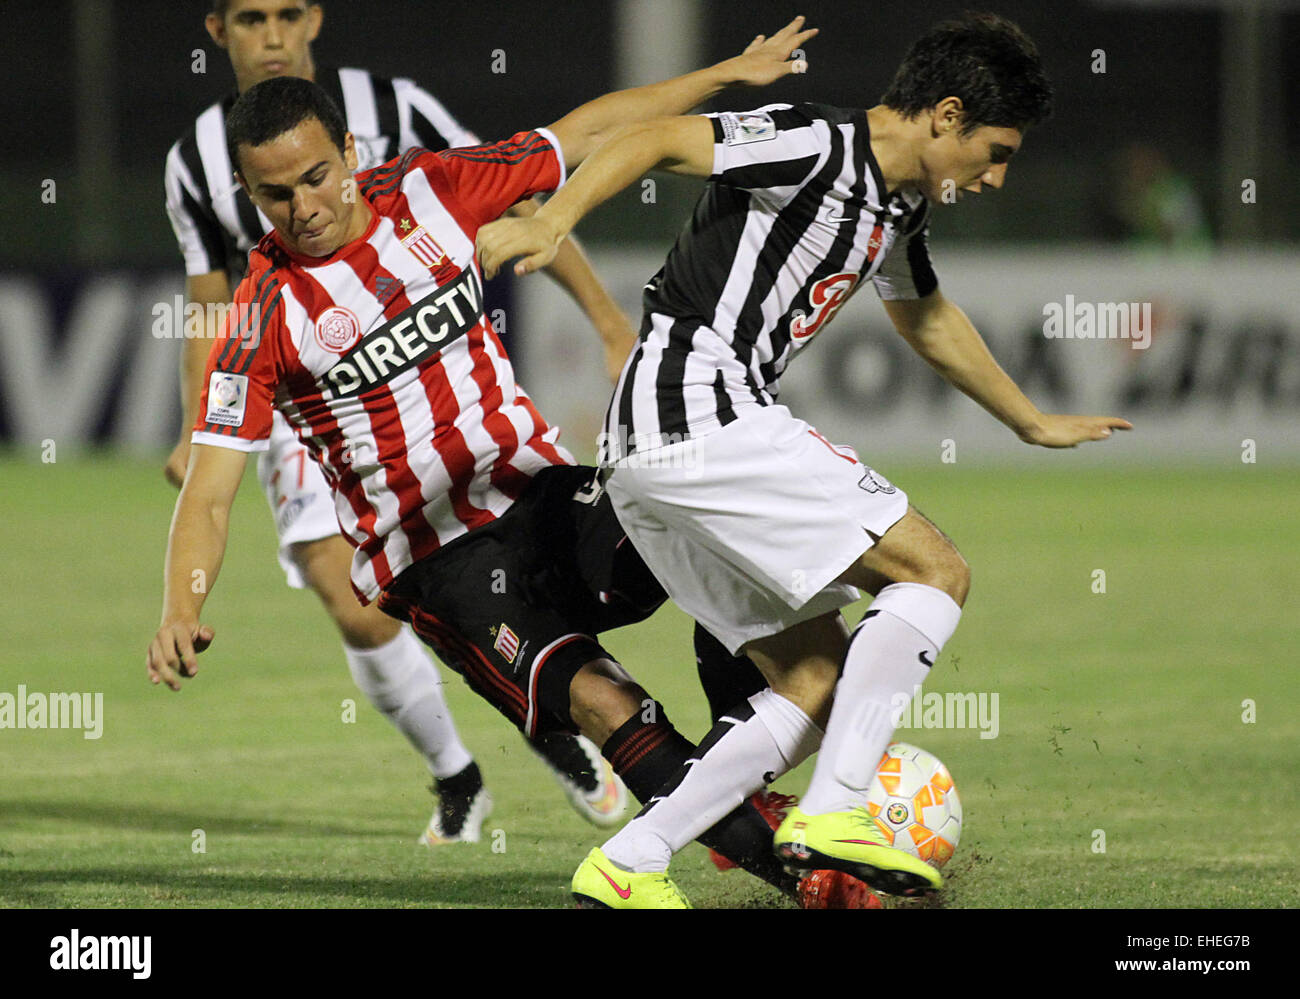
<point x="515" y="606"/>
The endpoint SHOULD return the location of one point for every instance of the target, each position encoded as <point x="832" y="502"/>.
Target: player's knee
<point x="365" y="627"/>
<point x="802" y="664"/>
<point x="811" y="689"/>
<point x="944" y="568"/>
<point x="602" y="697"/>
<point x="360" y="627"/>
<point x="324" y="566"/>
<point x="952" y="575"/>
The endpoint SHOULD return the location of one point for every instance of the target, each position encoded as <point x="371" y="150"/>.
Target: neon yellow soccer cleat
<point x="850" y="842"/>
<point x="598" y="884"/>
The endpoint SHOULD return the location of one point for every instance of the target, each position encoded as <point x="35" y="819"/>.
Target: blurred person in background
<point x="1158" y="206"/>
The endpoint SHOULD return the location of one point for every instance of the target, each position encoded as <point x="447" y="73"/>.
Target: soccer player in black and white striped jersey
<point x="216" y="224"/>
<point x="756" y="524"/>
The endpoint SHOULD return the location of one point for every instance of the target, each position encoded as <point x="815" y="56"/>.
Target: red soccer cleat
<point x="773" y="806"/>
<point x="721" y="862"/>
<point x="836" y="890"/>
<point x="818" y="889"/>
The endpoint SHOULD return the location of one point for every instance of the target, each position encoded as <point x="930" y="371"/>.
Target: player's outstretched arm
<point x="940" y="332"/>
<point x="195" y="547"/>
<point x="679" y="145"/>
<point x="624" y="135"/>
<point x="573" y="272"/>
<point x="764" y="61"/>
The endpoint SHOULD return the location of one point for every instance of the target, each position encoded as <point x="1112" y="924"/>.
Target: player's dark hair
<point x="278" y="105"/>
<point x="985" y="60"/>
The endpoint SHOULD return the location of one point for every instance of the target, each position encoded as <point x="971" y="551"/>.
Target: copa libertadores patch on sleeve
<point x="227" y="399"/>
<point x="741" y="127"/>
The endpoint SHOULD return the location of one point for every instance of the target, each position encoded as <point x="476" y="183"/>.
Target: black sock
<point x="648" y="756"/>
<point x="463" y="784"/>
<point x="455" y="795"/>
<point x="727" y="680"/>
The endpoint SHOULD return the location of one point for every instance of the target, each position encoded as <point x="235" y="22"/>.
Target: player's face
<point x="954" y="163"/>
<point x="267" y="38"/>
<point x="304" y="186"/>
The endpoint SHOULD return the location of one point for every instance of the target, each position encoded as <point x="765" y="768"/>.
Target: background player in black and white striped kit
<point x="216" y="224"/>
<point x="758" y="526"/>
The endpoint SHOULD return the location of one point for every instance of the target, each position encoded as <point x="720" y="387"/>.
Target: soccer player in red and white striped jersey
<point x="417" y="452"/>
<point x="216" y="226"/>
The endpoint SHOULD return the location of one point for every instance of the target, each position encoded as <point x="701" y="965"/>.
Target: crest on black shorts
<point x="507" y="643"/>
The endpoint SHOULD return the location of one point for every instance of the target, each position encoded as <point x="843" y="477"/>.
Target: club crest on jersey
<point x="825" y="297"/>
<point x="337" y="329"/>
<point x="507" y="643"/>
<point x="424" y="247"/>
<point x="420" y="331"/>
<point x="227" y="399"/>
<point x="741" y="127"/>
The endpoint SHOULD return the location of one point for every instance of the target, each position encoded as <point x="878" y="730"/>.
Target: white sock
<point x="402" y="682"/>
<point x="882" y="670"/>
<point x="748" y="747"/>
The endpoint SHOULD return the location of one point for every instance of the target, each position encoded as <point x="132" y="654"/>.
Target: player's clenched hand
<point x="766" y="60"/>
<point x="1054" y="430"/>
<point x="173" y="651"/>
<point x="534" y="240"/>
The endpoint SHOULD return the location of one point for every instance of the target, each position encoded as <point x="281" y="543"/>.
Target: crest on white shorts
<point x="874" y="482"/>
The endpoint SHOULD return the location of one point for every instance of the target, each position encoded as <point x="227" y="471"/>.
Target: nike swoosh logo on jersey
<point x="623" y="893"/>
<point x="830" y="216"/>
<point x="924" y="661"/>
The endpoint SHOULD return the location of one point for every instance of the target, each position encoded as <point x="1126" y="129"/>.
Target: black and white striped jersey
<point x="215" y="222"/>
<point x="794" y="216"/>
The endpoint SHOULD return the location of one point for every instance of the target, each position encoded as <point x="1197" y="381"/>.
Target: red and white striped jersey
<point x="380" y="357"/>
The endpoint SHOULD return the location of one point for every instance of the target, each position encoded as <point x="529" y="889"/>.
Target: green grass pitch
<point x="1157" y="719"/>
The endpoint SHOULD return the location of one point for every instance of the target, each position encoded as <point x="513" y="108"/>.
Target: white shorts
<point x="301" y="500"/>
<point x="747" y="527"/>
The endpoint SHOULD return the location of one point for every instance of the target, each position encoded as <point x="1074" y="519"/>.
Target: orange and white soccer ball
<point x="914" y="803"/>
